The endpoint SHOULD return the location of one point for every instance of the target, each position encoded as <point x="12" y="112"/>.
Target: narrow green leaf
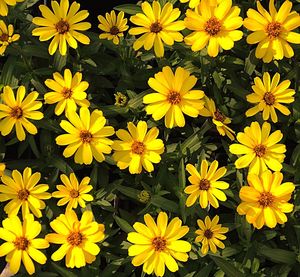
<point x="277" y="255"/>
<point x="129" y="8"/>
<point x="123" y="224"/>
<point x="63" y="272"/>
<point x="227" y="267"/>
<point x="164" y="203"/>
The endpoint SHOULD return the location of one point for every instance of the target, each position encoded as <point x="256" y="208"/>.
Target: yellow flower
<point x="7" y="35"/>
<point x="220" y="120"/>
<point x="158" y="26"/>
<point x="23" y="192"/>
<point x="205" y="184"/>
<point x="4" y="8"/>
<point x="72" y="192"/>
<point x="175" y="96"/>
<point x="78" y="238"/>
<point x="210" y="234"/>
<point x="214" y="25"/>
<point x="2" y="169"/>
<point x="86" y="136"/>
<point x="273" y="31"/>
<point x="120" y="99"/>
<point x="268" y="95"/>
<point x="17" y="111"/>
<point x="68" y="92"/>
<point x="265" y="199"/>
<point x="113" y="26"/>
<point x="259" y="148"/>
<point x="157" y="245"/>
<point x="195" y="3"/>
<point x="137" y="148"/>
<point x="21" y="243"/>
<point x="62" y="25"/>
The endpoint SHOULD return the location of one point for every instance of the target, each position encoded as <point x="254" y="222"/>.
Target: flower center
<point x="75" y="238"/>
<point x="273" y="29"/>
<point x="155" y="27"/>
<point x="16" y="112"/>
<point x="74" y="193"/>
<point x="266" y="199"/>
<point x="260" y="150"/>
<point x="21" y="243"/>
<point x="138" y="147"/>
<point x="219" y="116"/>
<point x="174" y="97"/>
<point x="23" y="194"/>
<point x="67" y="93"/>
<point x="212" y="26"/>
<point x="86" y="136"/>
<point x="204" y="184"/>
<point x="4" y="37"/>
<point x="114" y="30"/>
<point x="62" y="27"/>
<point x="269" y="98"/>
<point x="208" y="234"/>
<point x="159" y="244"/>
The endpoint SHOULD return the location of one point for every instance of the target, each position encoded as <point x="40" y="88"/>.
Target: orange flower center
<point x="269" y="98"/>
<point x="219" y="116"/>
<point x="138" y="148"/>
<point x="75" y="238"/>
<point x="4" y="37"/>
<point x="204" y="184"/>
<point x="21" y="243"/>
<point x="62" y="27"/>
<point x="174" y="97"/>
<point x="16" y="112"/>
<point x="74" y="193"/>
<point x="208" y="234"/>
<point x="86" y="136"/>
<point x="260" y="150"/>
<point x="114" y="30"/>
<point x="212" y="26"/>
<point x="266" y="199"/>
<point x="159" y="244"/>
<point x="155" y="27"/>
<point x="273" y="29"/>
<point x="23" y="194"/>
<point x="67" y="93"/>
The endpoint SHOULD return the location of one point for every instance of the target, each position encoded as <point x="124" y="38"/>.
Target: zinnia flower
<point x="86" y="136"/>
<point x="21" y="243"/>
<point x="4" y="7"/>
<point x="23" y="192"/>
<point x="205" y="184"/>
<point x="2" y="169"/>
<point x="175" y="96"/>
<point x="137" y="148"/>
<point x="158" y="26"/>
<point x="7" y="35"/>
<point x="78" y="238"/>
<point x="113" y="26"/>
<point x="72" y="192"/>
<point x="157" y="245"/>
<point x="268" y="95"/>
<point x="62" y="25"/>
<point x="259" y="148"/>
<point x="210" y="234"/>
<point x="15" y="111"/>
<point x="265" y="199"/>
<point x="68" y="92"/>
<point x="273" y="31"/>
<point x="214" y="25"/>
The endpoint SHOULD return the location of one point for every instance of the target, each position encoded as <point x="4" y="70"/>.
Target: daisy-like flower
<point x="78" y="238"/>
<point x="219" y="119"/>
<point x="86" y="136"/>
<point x="4" y="6"/>
<point x="113" y="26"/>
<point x="24" y="192"/>
<point x="268" y="95"/>
<point x="259" y="148"/>
<point x="158" y="26"/>
<point x="214" y="25"/>
<point x="210" y="234"/>
<point x="21" y="243"/>
<point x="62" y="25"/>
<point x="7" y="36"/>
<point x="158" y="244"/>
<point x="175" y="96"/>
<point x="68" y="92"/>
<point x="273" y="31"/>
<point x="17" y="111"/>
<point x="72" y="192"/>
<point x="265" y="199"/>
<point x="2" y="169"/>
<point x="137" y="148"/>
<point x="205" y="184"/>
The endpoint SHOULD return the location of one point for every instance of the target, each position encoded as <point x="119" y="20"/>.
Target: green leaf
<point x="59" y="61"/>
<point x="123" y="224"/>
<point x="227" y="267"/>
<point x="277" y="255"/>
<point x="129" y="8"/>
<point x="205" y="271"/>
<point x="164" y="203"/>
<point x="63" y="272"/>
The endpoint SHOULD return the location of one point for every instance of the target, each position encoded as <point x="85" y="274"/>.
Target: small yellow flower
<point x="62" y="25"/>
<point x="175" y="96"/>
<point x="121" y="99"/>
<point x="86" y="136"/>
<point x="265" y="199"/>
<point x="68" y="92"/>
<point x="2" y="169"/>
<point x="113" y="26"/>
<point x="24" y="192"/>
<point x="7" y="35"/>
<point x="144" y="196"/>
<point x="78" y="238"/>
<point x="259" y="148"/>
<point x="273" y="31"/>
<point x="158" y="26"/>
<point x="15" y="111"/>
<point x="21" y="243"/>
<point x="210" y="234"/>
<point x="72" y="192"/>
<point x="157" y="245"/>
<point x="4" y="7"/>
<point x="137" y="148"/>
<point x="268" y="95"/>
<point x="205" y="184"/>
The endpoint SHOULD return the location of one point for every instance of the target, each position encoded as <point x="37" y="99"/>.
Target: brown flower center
<point x="4" y="37"/>
<point x="273" y="29"/>
<point x="212" y="26"/>
<point x="62" y="27"/>
<point x="174" y="97"/>
<point x="138" y="148"/>
<point x="269" y="98"/>
<point x="219" y="116"/>
<point x="75" y="238"/>
<point x="204" y="184"/>
<point x="16" y="112"/>
<point x="155" y="27"/>
<point x="67" y="93"/>
<point x="159" y="244"/>
<point x="266" y="199"/>
<point x="260" y="150"/>
<point x="114" y="30"/>
<point x="21" y="243"/>
<point x="86" y="136"/>
<point x="74" y="193"/>
<point x="23" y="194"/>
<point x="208" y="234"/>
